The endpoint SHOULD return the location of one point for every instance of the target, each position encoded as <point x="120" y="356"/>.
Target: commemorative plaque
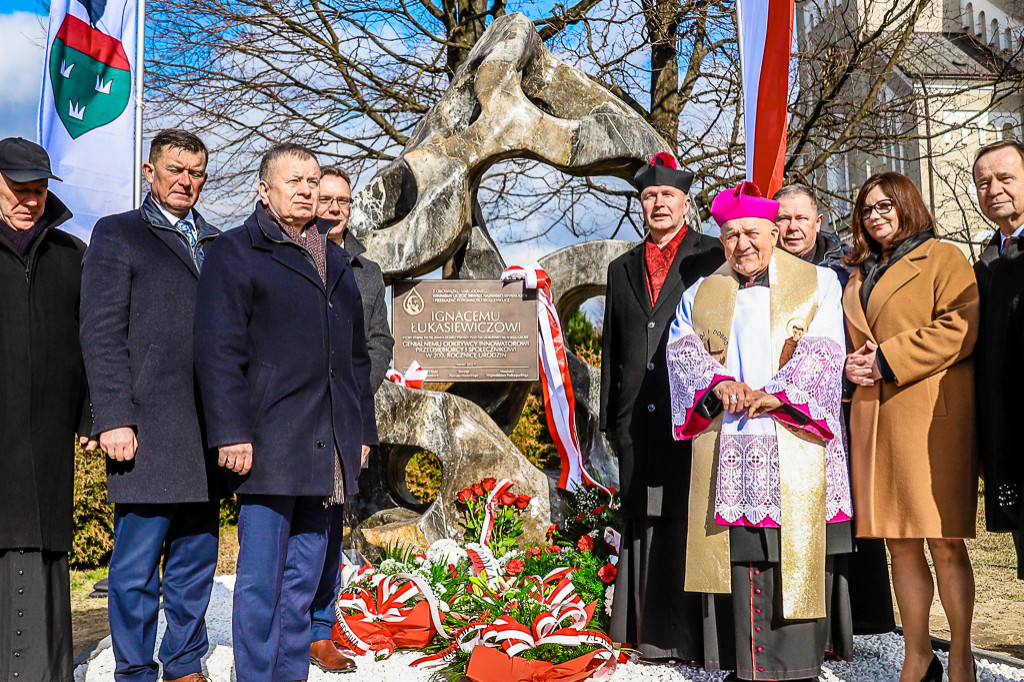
<point x="466" y="330"/>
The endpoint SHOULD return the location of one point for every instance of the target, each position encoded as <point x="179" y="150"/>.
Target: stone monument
<point x="510" y="99"/>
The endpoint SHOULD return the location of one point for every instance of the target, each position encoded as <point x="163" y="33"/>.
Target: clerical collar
<point x="758" y="280"/>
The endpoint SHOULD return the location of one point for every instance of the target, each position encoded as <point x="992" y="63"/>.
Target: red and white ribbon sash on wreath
<point x="413" y="377"/>
<point x="383" y="598"/>
<point x="483" y="565"/>
<point x="490" y="506"/>
<point x="559" y="400"/>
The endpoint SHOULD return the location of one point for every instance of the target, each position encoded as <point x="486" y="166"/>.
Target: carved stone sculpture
<point x="510" y="99"/>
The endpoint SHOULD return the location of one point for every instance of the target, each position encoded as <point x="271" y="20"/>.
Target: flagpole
<point x="140" y="63"/>
<point x="743" y="90"/>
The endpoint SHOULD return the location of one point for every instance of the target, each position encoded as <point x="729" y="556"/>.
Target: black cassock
<point x="651" y="610"/>
<point x="999" y="364"/>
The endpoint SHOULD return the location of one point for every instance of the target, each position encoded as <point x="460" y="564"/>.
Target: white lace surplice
<point x="747" y="490"/>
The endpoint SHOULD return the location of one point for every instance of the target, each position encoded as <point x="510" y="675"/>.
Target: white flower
<point x="443" y="607"/>
<point x="509" y="556"/>
<point x="609" y="597"/>
<point x="392" y="566"/>
<point x="445" y="551"/>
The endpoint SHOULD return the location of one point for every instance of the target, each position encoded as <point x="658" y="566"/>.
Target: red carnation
<point x="599" y="510"/>
<point x="611" y="491"/>
<point x="579" y="517"/>
<point x="607" y="573"/>
<point x="514" y="567"/>
<point x="508" y="499"/>
<point x="522" y="501"/>
<point x="585" y="543"/>
<point x="452" y="573"/>
<point x="489" y="483"/>
<point x="478" y="490"/>
<point x="534" y="551"/>
<point x="552" y="529"/>
<point x="554" y="549"/>
<point x="465" y="495"/>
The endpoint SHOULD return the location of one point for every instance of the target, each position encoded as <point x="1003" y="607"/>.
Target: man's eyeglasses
<point x="882" y="207"/>
<point x="342" y="201"/>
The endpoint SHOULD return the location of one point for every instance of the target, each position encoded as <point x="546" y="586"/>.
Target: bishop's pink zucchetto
<point x="743" y="201"/>
<point x="663" y="170"/>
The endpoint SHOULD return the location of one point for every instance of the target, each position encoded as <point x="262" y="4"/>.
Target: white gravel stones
<point x="877" y="659"/>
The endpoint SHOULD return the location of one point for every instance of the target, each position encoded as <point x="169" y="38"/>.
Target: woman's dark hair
<point x="908" y="204"/>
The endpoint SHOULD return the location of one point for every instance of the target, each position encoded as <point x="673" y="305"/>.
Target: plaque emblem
<point x="413" y="303"/>
<point x="796" y="328"/>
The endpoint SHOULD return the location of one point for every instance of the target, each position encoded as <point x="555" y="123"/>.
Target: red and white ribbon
<point x="613" y="539"/>
<point x="383" y="598"/>
<point x="559" y="400"/>
<point x="483" y="565"/>
<point x="490" y="506"/>
<point x="413" y="377"/>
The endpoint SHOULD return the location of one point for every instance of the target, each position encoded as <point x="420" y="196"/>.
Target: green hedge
<point x="93" y="516"/>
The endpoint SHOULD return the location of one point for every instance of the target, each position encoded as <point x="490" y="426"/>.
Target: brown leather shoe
<point x="326" y="655"/>
<point x="193" y="677"/>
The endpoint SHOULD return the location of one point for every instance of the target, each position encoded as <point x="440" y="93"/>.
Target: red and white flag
<point x="766" y="38"/>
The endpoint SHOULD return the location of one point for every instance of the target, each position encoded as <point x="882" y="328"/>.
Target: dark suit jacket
<point x="282" y="360"/>
<point x="138" y="301"/>
<point x="654" y="468"/>
<point x="370" y="281"/>
<point x="43" y="398"/>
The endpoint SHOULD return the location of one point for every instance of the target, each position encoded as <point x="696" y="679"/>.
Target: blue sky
<point x="22" y="38"/>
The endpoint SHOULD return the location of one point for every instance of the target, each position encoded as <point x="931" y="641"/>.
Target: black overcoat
<point x="43" y="397"/>
<point x="139" y="286"/>
<point x="654" y="468"/>
<point x="999" y="364"/>
<point x="282" y="360"/>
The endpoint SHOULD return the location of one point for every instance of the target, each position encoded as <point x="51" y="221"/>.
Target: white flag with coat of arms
<point x="85" y="121"/>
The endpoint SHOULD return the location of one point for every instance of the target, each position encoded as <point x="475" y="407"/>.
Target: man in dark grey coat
<point x="651" y="609"/>
<point x="335" y="203"/>
<point x="139" y="287"/>
<point x="44" y="402"/>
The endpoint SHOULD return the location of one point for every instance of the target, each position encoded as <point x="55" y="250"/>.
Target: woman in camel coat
<point x="912" y="315"/>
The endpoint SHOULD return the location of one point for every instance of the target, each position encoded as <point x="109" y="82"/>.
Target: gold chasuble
<point x="802" y="456"/>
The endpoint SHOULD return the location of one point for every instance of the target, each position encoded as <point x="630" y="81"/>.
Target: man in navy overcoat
<point x="139" y="282"/>
<point x="284" y="373"/>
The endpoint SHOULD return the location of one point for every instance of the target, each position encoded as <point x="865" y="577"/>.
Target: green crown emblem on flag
<point x="90" y="76"/>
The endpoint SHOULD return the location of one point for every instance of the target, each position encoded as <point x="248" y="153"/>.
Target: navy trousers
<point x="282" y="543"/>
<point x="186" y="535"/>
<point x="330" y="578"/>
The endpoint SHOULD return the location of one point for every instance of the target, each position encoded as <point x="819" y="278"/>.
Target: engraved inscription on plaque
<point x="466" y="330"/>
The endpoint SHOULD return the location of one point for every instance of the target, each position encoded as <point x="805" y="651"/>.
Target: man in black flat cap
<point x="44" y="402"/>
<point x="651" y="610"/>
